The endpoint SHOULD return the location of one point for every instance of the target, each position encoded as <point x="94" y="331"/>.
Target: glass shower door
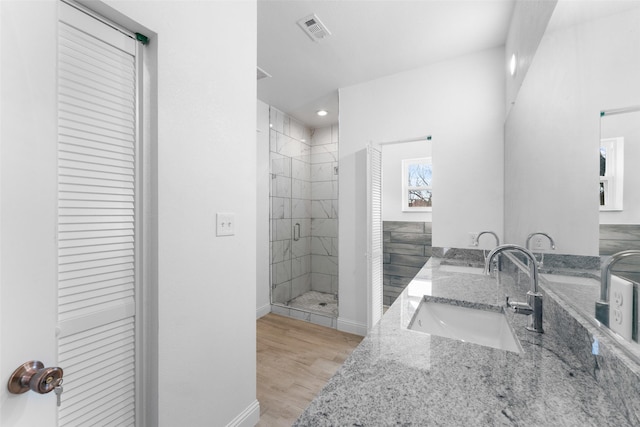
<point x="281" y="235"/>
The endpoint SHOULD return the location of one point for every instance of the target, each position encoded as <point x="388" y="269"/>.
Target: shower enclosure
<point x="304" y="219"/>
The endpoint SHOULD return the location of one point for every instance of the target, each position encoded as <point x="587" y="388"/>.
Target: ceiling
<point x="369" y="40"/>
<point x="569" y="13"/>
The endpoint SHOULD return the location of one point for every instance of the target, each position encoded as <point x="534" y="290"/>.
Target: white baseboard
<point x="247" y="418"/>
<point x="352" y="327"/>
<point x="264" y="310"/>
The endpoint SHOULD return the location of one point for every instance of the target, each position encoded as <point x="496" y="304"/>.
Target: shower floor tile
<point x="318" y="302"/>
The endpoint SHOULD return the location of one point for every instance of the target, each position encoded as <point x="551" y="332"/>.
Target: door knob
<point x="34" y="376"/>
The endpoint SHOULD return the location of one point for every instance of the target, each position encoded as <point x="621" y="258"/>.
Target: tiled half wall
<point x="406" y="248"/>
<point x="621" y="237"/>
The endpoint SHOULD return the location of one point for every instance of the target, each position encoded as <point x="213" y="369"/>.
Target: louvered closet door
<point x="374" y="224"/>
<point x="96" y="221"/>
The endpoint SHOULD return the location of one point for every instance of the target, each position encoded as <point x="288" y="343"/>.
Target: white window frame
<point x="613" y="180"/>
<point x="406" y="188"/>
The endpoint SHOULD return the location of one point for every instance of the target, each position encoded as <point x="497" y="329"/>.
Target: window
<point x="416" y="185"/>
<point x="611" y="174"/>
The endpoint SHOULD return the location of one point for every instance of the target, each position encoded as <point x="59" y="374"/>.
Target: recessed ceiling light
<point x="322" y="113"/>
<point x="513" y="64"/>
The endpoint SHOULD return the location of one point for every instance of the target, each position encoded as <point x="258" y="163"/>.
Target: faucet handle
<point x="518" y="307"/>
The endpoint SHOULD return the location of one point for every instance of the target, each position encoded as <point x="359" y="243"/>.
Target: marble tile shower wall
<point x="304" y="208"/>
<point x="324" y="209"/>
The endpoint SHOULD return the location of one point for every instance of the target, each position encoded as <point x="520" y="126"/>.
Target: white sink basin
<point x="478" y="326"/>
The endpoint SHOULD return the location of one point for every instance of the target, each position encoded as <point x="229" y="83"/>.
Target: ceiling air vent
<point x="314" y="28"/>
<point x="262" y="74"/>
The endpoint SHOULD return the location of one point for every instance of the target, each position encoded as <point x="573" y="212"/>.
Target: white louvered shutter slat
<point x="90" y="265"/>
<point x="96" y="271"/>
<point x="85" y="251"/>
<point x="78" y="293"/>
<point x="87" y="126"/>
<point x="85" y="243"/>
<point x="73" y="136"/>
<point x="69" y="171"/>
<point x="77" y="151"/>
<point x="374" y="216"/>
<point x="113" y="361"/>
<point x="94" y="191"/>
<point x="96" y="221"/>
<point x="94" y="77"/>
<point x="97" y="278"/>
<point x="72" y="262"/>
<point x="95" y="163"/>
<point x="118" y="185"/>
<point x="88" y="194"/>
<point x="76" y="155"/>
<point x="80" y="220"/>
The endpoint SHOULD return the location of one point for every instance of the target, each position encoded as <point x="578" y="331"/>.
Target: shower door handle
<point x="296" y="228"/>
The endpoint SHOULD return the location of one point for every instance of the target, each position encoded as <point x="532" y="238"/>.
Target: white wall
<point x="206" y="148"/>
<point x="552" y="132"/>
<point x="392" y="157"/>
<point x="461" y="104"/>
<point x="263" y="296"/>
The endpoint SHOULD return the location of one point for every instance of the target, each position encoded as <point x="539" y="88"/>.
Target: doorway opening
<point x="303" y="219"/>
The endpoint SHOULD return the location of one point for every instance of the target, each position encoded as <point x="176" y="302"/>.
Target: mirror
<point x="587" y="61"/>
<point x="619" y="186"/>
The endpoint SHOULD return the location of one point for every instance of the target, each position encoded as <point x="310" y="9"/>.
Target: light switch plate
<point x="225" y="224"/>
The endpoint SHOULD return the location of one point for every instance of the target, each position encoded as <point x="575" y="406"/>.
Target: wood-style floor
<point x="295" y="360"/>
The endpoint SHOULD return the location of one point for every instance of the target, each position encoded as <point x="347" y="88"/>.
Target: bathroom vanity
<point x="572" y="374"/>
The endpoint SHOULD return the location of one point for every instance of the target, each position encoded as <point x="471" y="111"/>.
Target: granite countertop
<point x="398" y="376"/>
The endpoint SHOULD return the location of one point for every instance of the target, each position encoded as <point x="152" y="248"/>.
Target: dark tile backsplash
<point x="406" y="248"/>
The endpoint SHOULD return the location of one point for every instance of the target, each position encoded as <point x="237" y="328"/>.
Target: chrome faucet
<point x="533" y="306"/>
<point x="476" y="241"/>
<point x="551" y="242"/>
<point x="602" y="306"/>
